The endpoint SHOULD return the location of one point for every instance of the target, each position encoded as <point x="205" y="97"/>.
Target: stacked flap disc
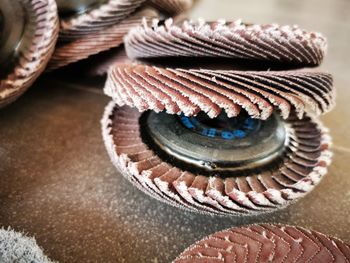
<point x="28" y="32"/>
<point x="211" y="137"/>
<point x="266" y="243"/>
<point x="88" y="27"/>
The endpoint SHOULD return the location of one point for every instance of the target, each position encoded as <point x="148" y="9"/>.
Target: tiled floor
<point x="57" y="183"/>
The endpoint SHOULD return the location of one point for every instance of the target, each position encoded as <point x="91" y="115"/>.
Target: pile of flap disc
<point x="188" y="68"/>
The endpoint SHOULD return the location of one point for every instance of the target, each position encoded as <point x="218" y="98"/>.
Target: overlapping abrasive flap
<point x="41" y="33"/>
<point x="189" y="91"/>
<point x="285" y="44"/>
<point x="172" y="6"/>
<point x="110" y="37"/>
<point x="304" y="163"/>
<point x="97" y="18"/>
<point x="266" y="243"/>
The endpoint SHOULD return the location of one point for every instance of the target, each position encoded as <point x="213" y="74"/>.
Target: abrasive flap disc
<point x="266" y="243"/>
<point x="88" y="27"/>
<point x="28" y="33"/>
<point x="220" y="117"/>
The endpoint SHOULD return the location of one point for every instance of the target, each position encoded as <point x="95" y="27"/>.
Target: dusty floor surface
<point x="57" y="183"/>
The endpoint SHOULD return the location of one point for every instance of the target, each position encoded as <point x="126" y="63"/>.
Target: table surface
<point x="58" y="184"/>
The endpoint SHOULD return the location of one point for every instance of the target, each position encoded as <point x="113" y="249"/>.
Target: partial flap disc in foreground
<point x="266" y="243"/>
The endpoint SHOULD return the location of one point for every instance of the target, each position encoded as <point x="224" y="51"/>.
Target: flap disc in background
<point x="26" y="43"/>
<point x="90" y="27"/>
<point x="220" y="117"/>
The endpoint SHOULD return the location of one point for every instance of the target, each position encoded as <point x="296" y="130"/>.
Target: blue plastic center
<point x="222" y="126"/>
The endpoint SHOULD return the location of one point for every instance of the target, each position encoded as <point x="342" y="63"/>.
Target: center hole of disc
<point x="12" y="26"/>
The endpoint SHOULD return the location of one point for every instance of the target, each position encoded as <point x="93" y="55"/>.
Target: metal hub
<point x="74" y="7"/>
<point x="12" y="27"/>
<point x="214" y="146"/>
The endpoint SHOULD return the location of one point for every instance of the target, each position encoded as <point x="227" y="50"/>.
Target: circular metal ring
<point x="217" y="145"/>
<point x="28" y="42"/>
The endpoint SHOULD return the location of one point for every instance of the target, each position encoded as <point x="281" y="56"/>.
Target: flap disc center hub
<point x="12" y="26"/>
<point x="215" y="145"/>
